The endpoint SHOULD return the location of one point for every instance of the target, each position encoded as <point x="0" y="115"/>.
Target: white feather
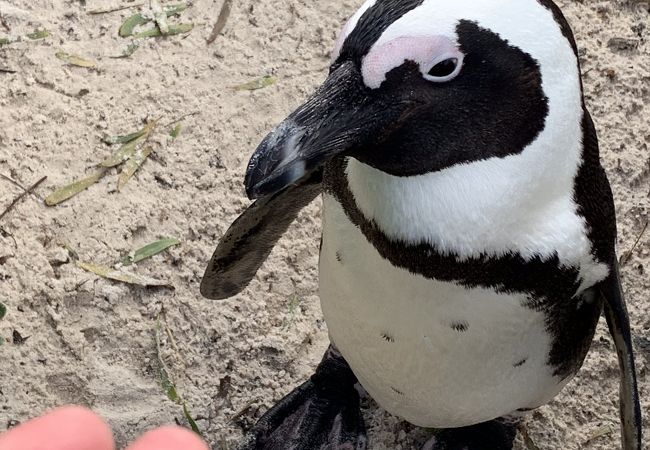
<point x="445" y="378"/>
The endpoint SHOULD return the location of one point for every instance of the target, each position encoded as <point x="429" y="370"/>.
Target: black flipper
<point x="321" y="414"/>
<point x="493" y="435"/>
<point x="251" y="237"/>
<point x="619" y="326"/>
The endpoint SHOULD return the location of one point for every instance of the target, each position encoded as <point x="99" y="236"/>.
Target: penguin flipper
<point x="619" y="327"/>
<point x="252" y="236"/>
<point x="322" y="413"/>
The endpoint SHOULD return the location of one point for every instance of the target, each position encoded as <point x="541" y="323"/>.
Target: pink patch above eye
<point x="426" y="51"/>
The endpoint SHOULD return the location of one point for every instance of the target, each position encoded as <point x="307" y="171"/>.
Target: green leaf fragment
<point x="132" y="165"/>
<point x="165" y="380"/>
<point x="128" y="51"/>
<point x="69" y="191"/>
<point x="3" y="311"/>
<point x="125" y="152"/>
<point x="75" y="60"/>
<point x="125" y="138"/>
<point x="174" y="10"/>
<point x="129" y="24"/>
<point x="167" y="385"/>
<point x="38" y="34"/>
<point x="149" y="250"/>
<point x="5" y="41"/>
<point x="120" y="275"/>
<point x="176" y="131"/>
<point x="131" y="142"/>
<point x="173" y="30"/>
<point x="260" y="83"/>
<point x="191" y="421"/>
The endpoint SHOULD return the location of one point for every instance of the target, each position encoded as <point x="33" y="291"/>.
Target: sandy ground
<point x="93" y="341"/>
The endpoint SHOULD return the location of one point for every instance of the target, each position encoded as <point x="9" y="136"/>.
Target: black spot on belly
<point x="397" y="391"/>
<point x="460" y="326"/>
<point x="339" y="257"/>
<point x="387" y="337"/>
<point x="520" y="363"/>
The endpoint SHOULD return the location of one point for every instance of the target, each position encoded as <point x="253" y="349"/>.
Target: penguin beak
<point x="341" y="116"/>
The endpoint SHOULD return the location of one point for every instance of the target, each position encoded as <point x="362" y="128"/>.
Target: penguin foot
<point x="493" y="435"/>
<point x="321" y="414"/>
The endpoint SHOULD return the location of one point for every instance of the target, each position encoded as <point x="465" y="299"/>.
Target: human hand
<point x="76" y="428"/>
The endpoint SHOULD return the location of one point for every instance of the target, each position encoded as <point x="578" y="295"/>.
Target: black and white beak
<point x="343" y="115"/>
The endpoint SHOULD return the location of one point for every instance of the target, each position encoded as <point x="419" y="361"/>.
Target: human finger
<point x="67" y="428"/>
<point x="169" y="438"/>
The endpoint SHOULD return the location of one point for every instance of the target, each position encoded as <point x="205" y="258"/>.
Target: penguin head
<point x="417" y="86"/>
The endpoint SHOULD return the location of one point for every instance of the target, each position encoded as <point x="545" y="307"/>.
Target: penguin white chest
<point x="434" y="353"/>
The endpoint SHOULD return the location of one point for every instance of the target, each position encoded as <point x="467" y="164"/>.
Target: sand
<point x="92" y="341"/>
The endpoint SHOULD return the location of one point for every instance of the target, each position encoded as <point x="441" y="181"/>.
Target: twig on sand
<point x="4" y="23"/>
<point x="221" y="21"/>
<point x="114" y="9"/>
<point x="627" y="255"/>
<point x="184" y="116"/>
<point x="20" y="197"/>
<point x="17" y="184"/>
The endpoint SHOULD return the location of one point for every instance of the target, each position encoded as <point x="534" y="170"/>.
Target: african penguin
<point x="468" y="226"/>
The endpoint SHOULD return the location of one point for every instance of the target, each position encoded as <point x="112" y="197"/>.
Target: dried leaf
<point x="528" y="441"/>
<point x="75" y="60"/>
<point x="3" y="311"/>
<point x="176" y="131"/>
<point x="159" y="16"/>
<point x="221" y="21"/>
<point x="38" y="34"/>
<point x="132" y="165"/>
<point x="260" y="83"/>
<point x="69" y="191"/>
<point x="120" y="275"/>
<point x="600" y="432"/>
<point x="173" y="30"/>
<point x="149" y="250"/>
<point x="17" y="338"/>
<point x="114" y="9"/>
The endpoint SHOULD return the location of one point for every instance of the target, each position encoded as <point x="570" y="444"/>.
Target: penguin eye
<point x="444" y="70"/>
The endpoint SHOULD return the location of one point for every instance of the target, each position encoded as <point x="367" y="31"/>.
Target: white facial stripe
<point x="348" y="27"/>
<point x="522" y="203"/>
<point x="525" y="24"/>
<point x="426" y="51"/>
